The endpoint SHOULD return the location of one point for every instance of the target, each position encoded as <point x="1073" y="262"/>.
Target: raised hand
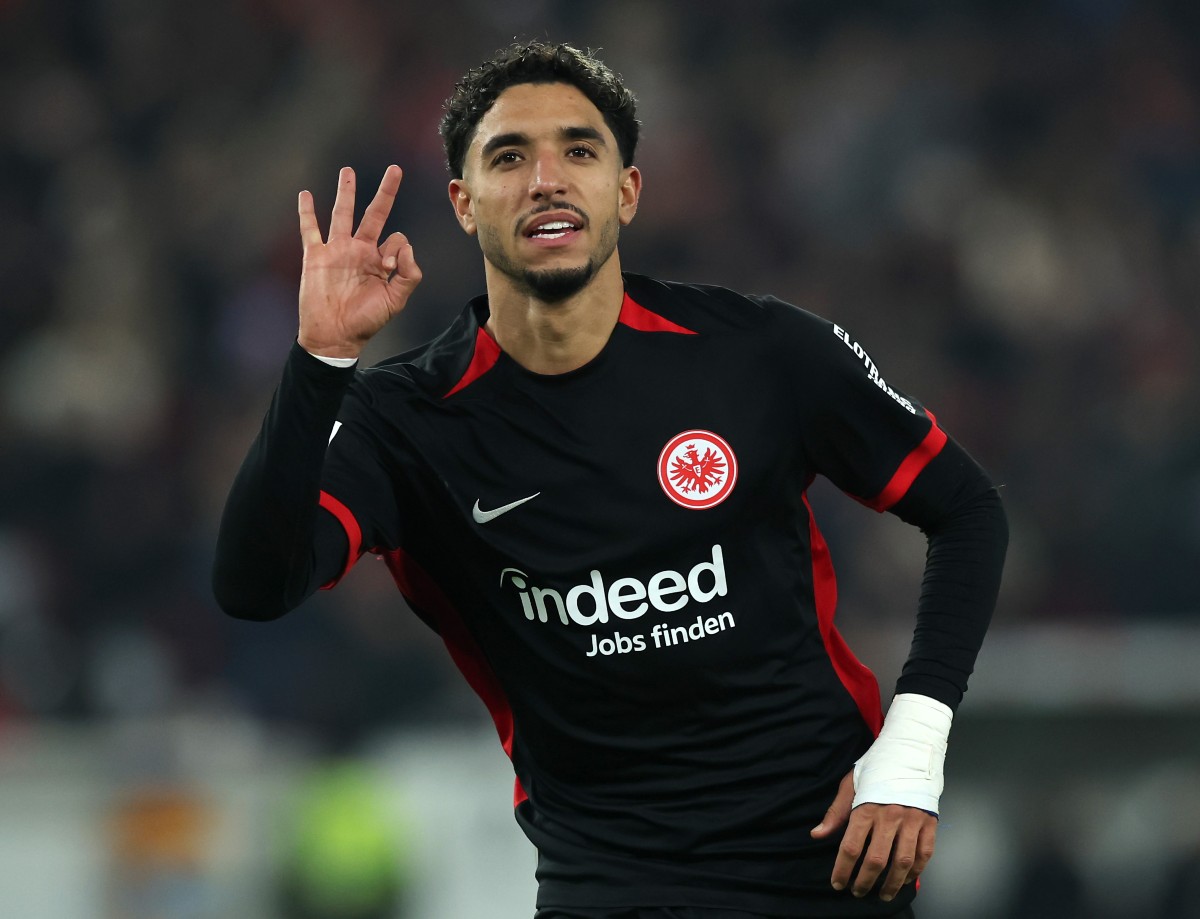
<point x="351" y="285"/>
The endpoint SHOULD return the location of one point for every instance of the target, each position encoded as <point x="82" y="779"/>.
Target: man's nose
<point x="548" y="177"/>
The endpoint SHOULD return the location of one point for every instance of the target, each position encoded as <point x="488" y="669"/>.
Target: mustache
<point x="544" y="208"/>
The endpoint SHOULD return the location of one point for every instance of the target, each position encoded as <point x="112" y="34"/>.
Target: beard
<point x="554" y="285"/>
<point x="550" y="285"/>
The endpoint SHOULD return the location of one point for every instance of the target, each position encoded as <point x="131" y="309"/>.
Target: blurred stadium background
<point x="1002" y="199"/>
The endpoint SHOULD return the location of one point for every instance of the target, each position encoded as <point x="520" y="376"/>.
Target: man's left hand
<point x="879" y="834"/>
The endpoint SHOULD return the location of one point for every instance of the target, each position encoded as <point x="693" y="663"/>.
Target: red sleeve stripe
<point x="912" y="466"/>
<point x="636" y="316"/>
<point x="353" y="532"/>
<point x="853" y="674"/>
<point x="484" y="358"/>
<point x="421" y="590"/>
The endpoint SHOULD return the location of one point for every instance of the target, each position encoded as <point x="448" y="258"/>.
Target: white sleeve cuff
<point x="905" y="764"/>
<point x="334" y="361"/>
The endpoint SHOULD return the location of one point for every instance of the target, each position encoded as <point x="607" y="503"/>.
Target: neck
<point x="552" y="338"/>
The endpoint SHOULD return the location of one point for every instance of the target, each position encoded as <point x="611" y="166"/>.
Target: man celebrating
<point x="626" y="569"/>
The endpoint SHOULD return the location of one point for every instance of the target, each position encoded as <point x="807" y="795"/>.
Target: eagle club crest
<point x="697" y="469"/>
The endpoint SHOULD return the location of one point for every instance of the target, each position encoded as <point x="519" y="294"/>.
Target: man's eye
<point x="581" y="151"/>
<point x="508" y="156"/>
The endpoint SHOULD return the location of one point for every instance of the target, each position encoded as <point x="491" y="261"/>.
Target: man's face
<point x="544" y="190"/>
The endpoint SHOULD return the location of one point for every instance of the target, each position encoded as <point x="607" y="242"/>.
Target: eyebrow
<point x="518" y="139"/>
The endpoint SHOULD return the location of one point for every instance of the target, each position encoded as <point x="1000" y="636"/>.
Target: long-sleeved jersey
<point x="623" y="563"/>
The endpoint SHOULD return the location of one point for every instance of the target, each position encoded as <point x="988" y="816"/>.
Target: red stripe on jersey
<point x="858" y="679"/>
<point x="636" y="316"/>
<point x="487" y="352"/>
<point x="350" y="525"/>
<point x="421" y="590"/>
<point x="908" y="471"/>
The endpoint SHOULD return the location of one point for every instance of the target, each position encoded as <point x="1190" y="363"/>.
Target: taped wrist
<point x="905" y="764"/>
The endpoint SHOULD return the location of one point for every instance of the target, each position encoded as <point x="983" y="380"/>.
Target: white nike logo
<point x="482" y="516"/>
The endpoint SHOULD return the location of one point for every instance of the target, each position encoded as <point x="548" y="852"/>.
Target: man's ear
<point x="463" y="204"/>
<point x="629" y="191"/>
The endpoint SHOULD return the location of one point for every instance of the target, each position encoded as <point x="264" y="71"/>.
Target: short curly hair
<point x="536" y="62"/>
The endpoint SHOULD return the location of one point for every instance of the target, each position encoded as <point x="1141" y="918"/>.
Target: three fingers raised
<point x="341" y="222"/>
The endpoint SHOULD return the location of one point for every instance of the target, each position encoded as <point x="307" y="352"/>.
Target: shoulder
<point x="429" y="370"/>
<point x="711" y="308"/>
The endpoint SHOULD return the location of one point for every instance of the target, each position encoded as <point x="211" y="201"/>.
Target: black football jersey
<point x="623" y="563"/>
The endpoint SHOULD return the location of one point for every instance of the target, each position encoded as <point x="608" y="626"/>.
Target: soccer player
<point x="592" y="485"/>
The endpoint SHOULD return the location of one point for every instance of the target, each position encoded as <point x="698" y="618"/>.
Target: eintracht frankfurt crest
<point x="697" y="469"/>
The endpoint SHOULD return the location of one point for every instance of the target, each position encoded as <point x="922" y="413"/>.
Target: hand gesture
<point x="880" y="835"/>
<point x="351" y="285"/>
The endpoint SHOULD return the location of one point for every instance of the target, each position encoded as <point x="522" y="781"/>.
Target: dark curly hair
<point x="536" y="62"/>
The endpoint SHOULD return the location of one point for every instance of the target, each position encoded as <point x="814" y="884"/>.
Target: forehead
<point x="538" y="109"/>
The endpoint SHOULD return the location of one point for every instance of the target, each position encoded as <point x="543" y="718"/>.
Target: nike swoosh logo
<point x="482" y="516"/>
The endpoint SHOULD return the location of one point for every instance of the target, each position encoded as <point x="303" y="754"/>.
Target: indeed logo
<point x="625" y="598"/>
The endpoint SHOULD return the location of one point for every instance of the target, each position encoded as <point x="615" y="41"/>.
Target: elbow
<point x="999" y="518"/>
<point x="235" y="599"/>
<point x="247" y="608"/>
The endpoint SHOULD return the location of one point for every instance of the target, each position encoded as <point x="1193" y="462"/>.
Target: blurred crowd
<point x="1001" y="199"/>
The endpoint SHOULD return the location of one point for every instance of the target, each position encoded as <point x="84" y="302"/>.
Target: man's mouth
<point x="552" y="230"/>
<point x="553" y="227"/>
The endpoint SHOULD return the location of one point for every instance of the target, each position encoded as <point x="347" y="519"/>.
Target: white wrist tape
<point x="904" y="765"/>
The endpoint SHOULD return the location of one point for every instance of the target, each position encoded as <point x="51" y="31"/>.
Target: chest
<point x="568" y="477"/>
<point x="580" y="525"/>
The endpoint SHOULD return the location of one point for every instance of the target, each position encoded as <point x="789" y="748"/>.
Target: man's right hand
<point x="351" y="285"/>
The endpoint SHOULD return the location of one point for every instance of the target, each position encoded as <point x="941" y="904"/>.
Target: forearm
<point x="959" y="509"/>
<point x="274" y="548"/>
<point x="957" y="506"/>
